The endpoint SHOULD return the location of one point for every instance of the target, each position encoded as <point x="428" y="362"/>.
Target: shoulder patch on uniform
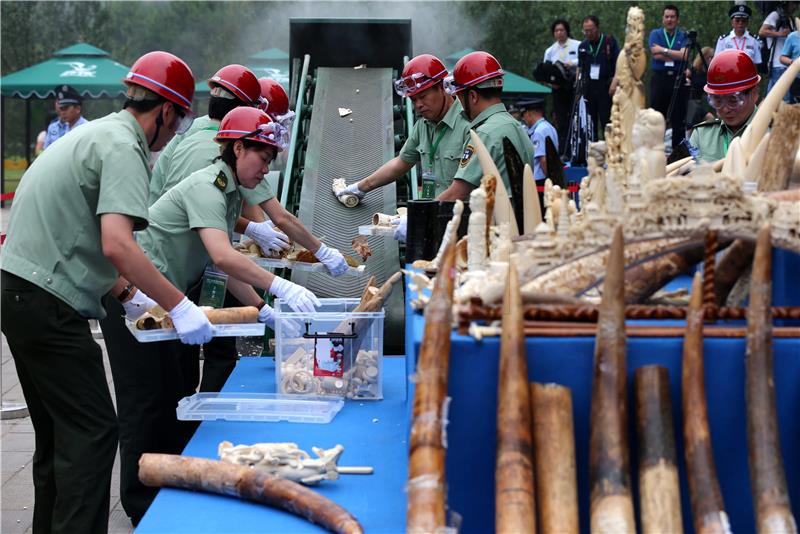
<point x="469" y="150"/>
<point x="221" y="181"/>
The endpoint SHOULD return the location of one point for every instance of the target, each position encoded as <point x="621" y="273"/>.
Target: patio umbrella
<point x="88" y="69"/>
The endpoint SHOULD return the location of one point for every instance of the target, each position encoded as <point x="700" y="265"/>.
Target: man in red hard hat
<point x="477" y="81"/>
<point x="732" y="90"/>
<point x="435" y="142"/>
<point x="69" y="239"/>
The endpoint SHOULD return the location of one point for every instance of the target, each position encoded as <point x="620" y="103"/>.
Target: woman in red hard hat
<point x="69" y="238"/>
<point x="732" y="90"/>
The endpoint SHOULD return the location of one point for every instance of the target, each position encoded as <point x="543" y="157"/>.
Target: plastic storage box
<point x="257" y="407"/>
<point x="333" y="351"/>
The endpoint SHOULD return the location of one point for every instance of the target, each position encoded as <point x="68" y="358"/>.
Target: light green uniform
<point x="54" y="237"/>
<point x="492" y="125"/>
<point x="162" y="166"/>
<point x="712" y="138"/>
<point x="208" y="198"/>
<point x="196" y="150"/>
<point x="453" y="129"/>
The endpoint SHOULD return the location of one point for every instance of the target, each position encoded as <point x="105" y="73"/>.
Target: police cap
<point x="531" y="103"/>
<point x="740" y="10"/>
<point x="67" y="96"/>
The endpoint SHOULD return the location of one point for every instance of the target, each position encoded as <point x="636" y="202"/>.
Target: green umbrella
<point x="512" y="83"/>
<point x="271" y="63"/>
<point x="88" y="69"/>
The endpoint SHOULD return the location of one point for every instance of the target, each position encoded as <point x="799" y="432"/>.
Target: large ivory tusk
<point x="609" y="476"/>
<point x="758" y="126"/>
<point x="756" y="163"/>
<point x="675" y="165"/>
<point x="767" y="477"/>
<point x="784" y="141"/>
<point x="515" y="510"/>
<point x="530" y="202"/>
<point x="735" y="160"/>
<point x="502" y="207"/>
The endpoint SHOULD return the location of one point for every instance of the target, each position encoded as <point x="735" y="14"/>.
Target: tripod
<point x="581" y="127"/>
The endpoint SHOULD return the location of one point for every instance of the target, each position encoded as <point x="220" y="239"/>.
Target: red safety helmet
<point x="729" y="72"/>
<point x="238" y="80"/>
<point x="274" y="100"/>
<point x="166" y="75"/>
<point x="420" y="73"/>
<point x="253" y="125"/>
<point x="476" y="69"/>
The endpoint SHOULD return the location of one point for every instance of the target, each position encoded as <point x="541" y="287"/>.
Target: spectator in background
<point x="538" y="129"/>
<point x="698" y="109"/>
<point x="68" y="107"/>
<point x="668" y="46"/>
<point x="50" y="117"/>
<point x="775" y="28"/>
<point x="565" y="52"/>
<point x="790" y="52"/>
<point x="739" y="38"/>
<point x="598" y="63"/>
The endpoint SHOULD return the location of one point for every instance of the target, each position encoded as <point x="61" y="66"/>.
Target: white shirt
<point x="772" y="20"/>
<point x="747" y="43"/>
<point x="566" y="53"/>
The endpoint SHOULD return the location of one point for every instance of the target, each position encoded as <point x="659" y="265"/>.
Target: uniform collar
<point x="486" y="113"/>
<point x="451" y="116"/>
<point x="221" y="166"/>
<point x="128" y="117"/>
<point x="744" y="36"/>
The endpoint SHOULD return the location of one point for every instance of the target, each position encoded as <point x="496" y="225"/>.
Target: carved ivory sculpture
<point x="649" y="161"/>
<point x="288" y="461"/>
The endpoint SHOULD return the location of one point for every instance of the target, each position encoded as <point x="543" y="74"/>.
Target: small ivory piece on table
<point x="344" y="112"/>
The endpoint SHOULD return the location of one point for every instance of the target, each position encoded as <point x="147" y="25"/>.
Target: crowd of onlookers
<point x="678" y="66"/>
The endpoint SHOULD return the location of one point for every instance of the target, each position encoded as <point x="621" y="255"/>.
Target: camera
<point x="692" y="35"/>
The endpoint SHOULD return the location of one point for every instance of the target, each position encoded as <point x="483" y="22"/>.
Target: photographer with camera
<point x="668" y="89"/>
<point x="777" y="26"/>
<point x="563" y="55"/>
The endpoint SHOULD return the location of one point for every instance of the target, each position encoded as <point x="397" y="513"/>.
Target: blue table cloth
<point x="373" y="433"/>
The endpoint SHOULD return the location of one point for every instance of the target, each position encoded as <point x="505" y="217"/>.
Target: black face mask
<point x="159" y="124"/>
<point x="467" y="109"/>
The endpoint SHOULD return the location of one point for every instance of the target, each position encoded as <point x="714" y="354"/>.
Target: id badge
<point x="212" y="292"/>
<point x="428" y="184"/>
<point x="594" y="71"/>
<point x="669" y="63"/>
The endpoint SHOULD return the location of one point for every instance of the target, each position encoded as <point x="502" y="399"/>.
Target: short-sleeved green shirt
<point x="454" y="129"/>
<point x="196" y="151"/>
<point x="208" y="198"/>
<point x="712" y="138"/>
<point x="161" y="168"/>
<point x="54" y="237"/>
<point x="492" y="125"/>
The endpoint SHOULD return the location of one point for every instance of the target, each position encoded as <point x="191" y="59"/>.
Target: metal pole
<point x="298" y="109"/>
<point x="28" y="132"/>
<point x="409" y="127"/>
<point x="2" y="147"/>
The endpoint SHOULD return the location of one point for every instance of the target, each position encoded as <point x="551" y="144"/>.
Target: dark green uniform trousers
<point x="149" y="380"/>
<point x="60" y="369"/>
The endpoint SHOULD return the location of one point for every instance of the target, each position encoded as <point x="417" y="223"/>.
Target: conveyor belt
<point x="351" y="147"/>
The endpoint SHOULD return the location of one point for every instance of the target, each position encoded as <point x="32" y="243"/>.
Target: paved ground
<point x="16" y="451"/>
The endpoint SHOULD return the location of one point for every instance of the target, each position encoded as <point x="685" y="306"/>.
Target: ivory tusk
<point x="530" y="202"/>
<point x="675" y="165"/>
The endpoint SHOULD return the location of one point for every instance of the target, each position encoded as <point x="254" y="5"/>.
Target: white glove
<point x="137" y="305"/>
<point x="352" y="189"/>
<point x="297" y="297"/>
<point x="191" y="323"/>
<point x="266" y="315"/>
<point x="400" y="231"/>
<point x="332" y="259"/>
<point x="266" y="236"/>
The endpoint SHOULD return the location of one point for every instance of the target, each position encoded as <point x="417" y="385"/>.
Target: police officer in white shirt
<point x="739" y="38"/>
<point x="564" y="51"/>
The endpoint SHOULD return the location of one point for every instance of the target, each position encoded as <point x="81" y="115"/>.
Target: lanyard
<point x="666" y="38"/>
<point x="736" y="44"/>
<point x="435" y="146"/>
<point x="211" y="128"/>
<point x="725" y="142"/>
<point x="595" y="51"/>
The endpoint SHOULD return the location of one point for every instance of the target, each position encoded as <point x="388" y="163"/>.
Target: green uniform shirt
<point x="712" y="138"/>
<point x="197" y="150"/>
<point x="54" y="233"/>
<point x="161" y="168"/>
<point x="454" y="129"/>
<point x="492" y="125"/>
<point x="208" y="198"/>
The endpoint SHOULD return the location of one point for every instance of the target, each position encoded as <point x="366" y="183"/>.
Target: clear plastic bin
<point x="217" y="330"/>
<point x="257" y="407"/>
<point x="331" y="352"/>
